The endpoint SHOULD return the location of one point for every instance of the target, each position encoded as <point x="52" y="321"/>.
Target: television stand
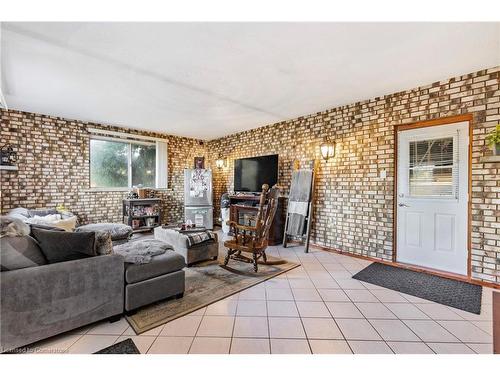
<point x="247" y="194"/>
<point x="244" y="206"/>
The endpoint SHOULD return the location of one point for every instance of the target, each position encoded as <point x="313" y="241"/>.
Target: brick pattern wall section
<point x="54" y="168"/>
<point x="353" y="206"/>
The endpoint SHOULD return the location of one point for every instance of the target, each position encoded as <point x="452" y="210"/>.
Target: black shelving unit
<point x="137" y="212"/>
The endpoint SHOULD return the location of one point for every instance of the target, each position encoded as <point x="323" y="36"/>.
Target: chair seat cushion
<point x="118" y="231"/>
<point x="162" y="264"/>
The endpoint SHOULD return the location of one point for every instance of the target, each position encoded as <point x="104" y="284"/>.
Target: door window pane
<point x="143" y="165"/>
<point x="432" y="168"/>
<point x="108" y="164"/>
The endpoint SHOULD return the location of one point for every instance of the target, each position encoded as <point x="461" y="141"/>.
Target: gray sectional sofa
<point x="42" y="296"/>
<point x="43" y="301"/>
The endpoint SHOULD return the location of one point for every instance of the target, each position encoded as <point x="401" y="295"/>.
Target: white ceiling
<point x="207" y="80"/>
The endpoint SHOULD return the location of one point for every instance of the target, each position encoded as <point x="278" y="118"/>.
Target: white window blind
<point x="433" y="168"/>
<point x="161" y="165"/>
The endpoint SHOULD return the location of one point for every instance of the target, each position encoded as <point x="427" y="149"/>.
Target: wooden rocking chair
<point x="249" y="239"/>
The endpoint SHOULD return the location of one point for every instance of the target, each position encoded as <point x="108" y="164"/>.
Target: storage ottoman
<point x="192" y="253"/>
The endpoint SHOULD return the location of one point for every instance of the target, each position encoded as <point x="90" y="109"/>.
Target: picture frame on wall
<point x="199" y="162"/>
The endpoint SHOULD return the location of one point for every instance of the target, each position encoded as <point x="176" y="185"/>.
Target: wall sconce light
<point x="327" y="149"/>
<point x="220" y="163"/>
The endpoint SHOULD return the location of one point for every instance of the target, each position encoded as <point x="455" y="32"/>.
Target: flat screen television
<point x="251" y="173"/>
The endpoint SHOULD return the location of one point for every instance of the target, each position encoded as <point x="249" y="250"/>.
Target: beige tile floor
<point x="316" y="308"/>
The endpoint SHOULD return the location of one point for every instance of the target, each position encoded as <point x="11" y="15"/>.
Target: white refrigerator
<point x="198" y="202"/>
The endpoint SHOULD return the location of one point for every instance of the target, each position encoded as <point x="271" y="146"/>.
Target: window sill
<point x="97" y="190"/>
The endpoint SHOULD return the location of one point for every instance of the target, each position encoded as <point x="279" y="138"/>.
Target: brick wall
<point x="54" y="168"/>
<point x="353" y="206"/>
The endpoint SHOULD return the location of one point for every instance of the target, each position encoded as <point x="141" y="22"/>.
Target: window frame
<point x="453" y="166"/>
<point x="148" y="141"/>
<point x="456" y="158"/>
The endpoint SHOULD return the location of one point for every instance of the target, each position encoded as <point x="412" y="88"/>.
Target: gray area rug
<point x="453" y="293"/>
<point x="206" y="283"/>
<point x="123" y="347"/>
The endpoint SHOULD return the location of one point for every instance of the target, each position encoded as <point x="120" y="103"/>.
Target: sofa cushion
<point x="60" y="246"/>
<point x="118" y="231"/>
<point x="45" y="212"/>
<point x="162" y="264"/>
<point x="19" y="213"/>
<point x="20" y="252"/>
<point x="54" y="220"/>
<point x="46" y="227"/>
<point x="13" y="227"/>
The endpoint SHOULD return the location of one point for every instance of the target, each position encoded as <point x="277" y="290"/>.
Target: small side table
<point x="179" y="241"/>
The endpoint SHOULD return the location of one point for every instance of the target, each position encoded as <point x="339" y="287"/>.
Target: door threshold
<point x="433" y="271"/>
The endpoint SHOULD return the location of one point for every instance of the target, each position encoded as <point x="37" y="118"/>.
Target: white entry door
<point x="432" y="214"/>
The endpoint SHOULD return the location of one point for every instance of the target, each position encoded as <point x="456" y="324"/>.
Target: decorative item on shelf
<point x="150" y="221"/>
<point x="327" y="149"/>
<point x="151" y="193"/>
<point x="136" y="223"/>
<point x="199" y="162"/>
<point x="220" y="162"/>
<point x="493" y="140"/>
<point x="8" y="156"/>
<point x="132" y="195"/>
<point x="150" y="210"/>
<point x="142" y="193"/>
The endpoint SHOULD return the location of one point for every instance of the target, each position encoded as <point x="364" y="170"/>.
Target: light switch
<point x="383" y="173"/>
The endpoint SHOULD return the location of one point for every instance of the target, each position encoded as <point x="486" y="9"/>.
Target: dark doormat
<point x="123" y="347"/>
<point x="453" y="293"/>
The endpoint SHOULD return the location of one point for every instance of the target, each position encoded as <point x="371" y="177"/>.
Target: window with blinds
<point x="433" y="168"/>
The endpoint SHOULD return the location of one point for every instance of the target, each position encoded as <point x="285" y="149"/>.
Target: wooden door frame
<point x="468" y="117"/>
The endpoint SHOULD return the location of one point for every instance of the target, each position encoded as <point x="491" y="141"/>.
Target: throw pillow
<point x="20" y="252"/>
<point x="50" y="211"/>
<point x="12" y="227"/>
<point x="19" y="213"/>
<point x="47" y="227"/>
<point x="118" y="231"/>
<point x="54" y="220"/>
<point x="104" y="245"/>
<point x="60" y="246"/>
<point x="68" y="224"/>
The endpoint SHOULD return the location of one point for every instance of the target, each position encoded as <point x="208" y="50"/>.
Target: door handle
<point x="403" y="205"/>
